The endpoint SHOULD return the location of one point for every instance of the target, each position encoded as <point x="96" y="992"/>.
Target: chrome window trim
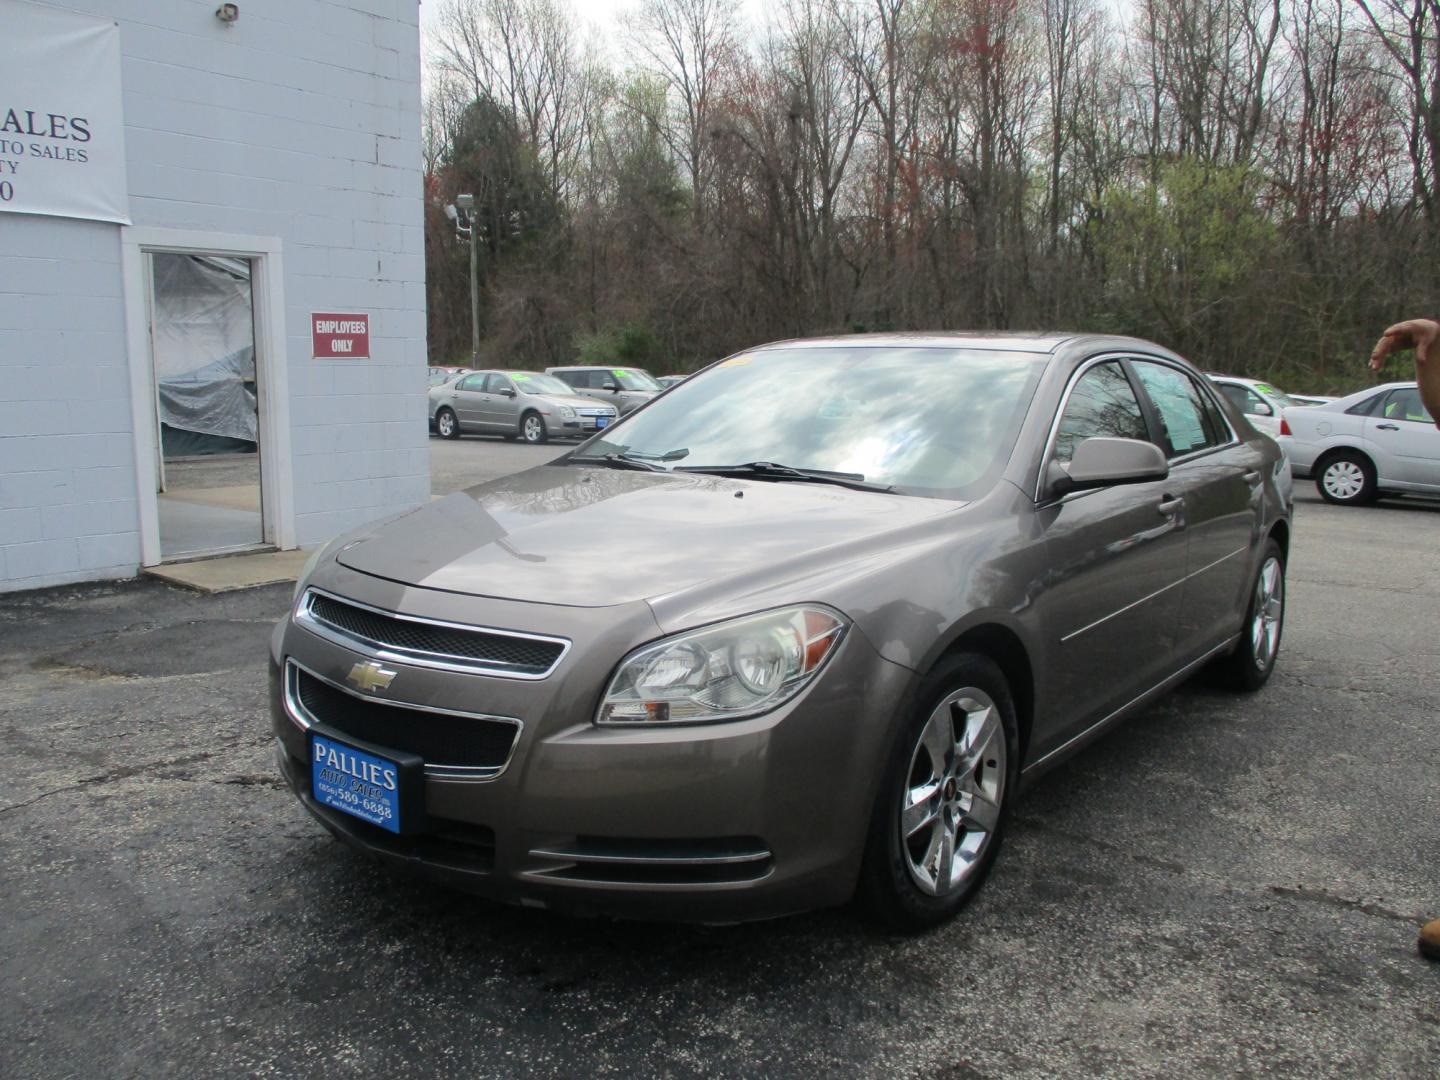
<point x="304" y="720"/>
<point x="435" y="660"/>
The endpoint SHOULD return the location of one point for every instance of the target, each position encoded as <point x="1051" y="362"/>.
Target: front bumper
<point x="717" y="823"/>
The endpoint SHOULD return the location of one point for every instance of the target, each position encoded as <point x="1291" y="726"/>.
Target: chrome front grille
<point x="455" y="744"/>
<point x="429" y="642"/>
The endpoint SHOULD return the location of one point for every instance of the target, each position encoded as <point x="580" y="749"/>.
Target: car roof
<point x="1011" y="341"/>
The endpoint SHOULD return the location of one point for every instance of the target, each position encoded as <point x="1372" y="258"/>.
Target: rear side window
<point x="1101" y="403"/>
<point x="1185" y="419"/>
<point x="471" y="382"/>
<point x="1368" y="407"/>
<point x="574" y="378"/>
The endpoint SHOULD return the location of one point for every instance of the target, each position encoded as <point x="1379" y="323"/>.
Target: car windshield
<point x="928" y="421"/>
<point x="532" y="382"/>
<point x="631" y="379"/>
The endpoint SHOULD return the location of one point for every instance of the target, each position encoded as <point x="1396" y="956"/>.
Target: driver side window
<point x="1101" y="402"/>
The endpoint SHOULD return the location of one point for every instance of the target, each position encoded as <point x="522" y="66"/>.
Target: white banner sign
<point x="62" y="140"/>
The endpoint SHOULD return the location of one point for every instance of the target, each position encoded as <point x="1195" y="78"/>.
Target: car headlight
<point x="567" y="413"/>
<point x="728" y="671"/>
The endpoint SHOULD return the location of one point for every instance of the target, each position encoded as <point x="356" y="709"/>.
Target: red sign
<point x="339" y="337"/>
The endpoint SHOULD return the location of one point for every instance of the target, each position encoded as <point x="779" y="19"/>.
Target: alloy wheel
<point x="1269" y="610"/>
<point x="950" y="804"/>
<point x="445" y="424"/>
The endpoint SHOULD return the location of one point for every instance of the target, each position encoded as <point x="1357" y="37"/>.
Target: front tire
<point x="1249" y="667"/>
<point x="944" y="797"/>
<point x="1347" y="478"/>
<point x="446" y="426"/>
<point x="532" y="428"/>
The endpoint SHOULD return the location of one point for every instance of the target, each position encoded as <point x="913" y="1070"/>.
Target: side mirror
<point x="508" y="392"/>
<point x="614" y="389"/>
<point x="1263" y="408"/>
<point x="1104" y="462"/>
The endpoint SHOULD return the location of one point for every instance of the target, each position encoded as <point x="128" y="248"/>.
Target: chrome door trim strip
<point x="1153" y="595"/>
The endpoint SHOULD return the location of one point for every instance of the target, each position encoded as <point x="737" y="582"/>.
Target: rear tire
<point x="446" y="426"/>
<point x="1249" y="667"/>
<point x="1346" y="478"/>
<point x="944" y="796"/>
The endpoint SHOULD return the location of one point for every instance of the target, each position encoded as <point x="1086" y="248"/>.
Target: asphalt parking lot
<point x="1223" y="886"/>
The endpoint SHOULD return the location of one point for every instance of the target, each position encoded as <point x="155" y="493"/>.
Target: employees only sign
<point x="62" y="139"/>
<point x="339" y="337"/>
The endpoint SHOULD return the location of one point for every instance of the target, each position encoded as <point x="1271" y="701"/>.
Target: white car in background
<point x="1259" y="401"/>
<point x="1375" y="442"/>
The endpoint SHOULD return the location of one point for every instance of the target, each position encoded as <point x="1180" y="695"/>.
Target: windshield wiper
<point x="770" y="470"/>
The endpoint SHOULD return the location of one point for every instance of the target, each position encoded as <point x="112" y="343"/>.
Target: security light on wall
<point x="227" y="13"/>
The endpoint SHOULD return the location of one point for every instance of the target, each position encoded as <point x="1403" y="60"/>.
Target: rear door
<point x="467" y="398"/>
<point x="1221" y="479"/>
<point x="1117" y="560"/>
<point x="1404" y="432"/>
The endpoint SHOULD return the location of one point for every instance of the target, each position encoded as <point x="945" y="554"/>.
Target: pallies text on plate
<point x="335" y="757"/>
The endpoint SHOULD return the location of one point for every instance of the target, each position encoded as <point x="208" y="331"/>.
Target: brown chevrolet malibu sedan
<point x="802" y="627"/>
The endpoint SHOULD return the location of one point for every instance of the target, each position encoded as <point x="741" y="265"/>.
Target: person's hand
<point x="1418" y="334"/>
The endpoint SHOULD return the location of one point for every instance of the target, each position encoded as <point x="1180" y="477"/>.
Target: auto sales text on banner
<point x="62" y="139"/>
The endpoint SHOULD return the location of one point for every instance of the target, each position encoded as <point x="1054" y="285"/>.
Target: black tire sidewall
<point x="886" y="887"/>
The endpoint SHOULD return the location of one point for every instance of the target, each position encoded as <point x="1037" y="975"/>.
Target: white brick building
<point x="278" y="153"/>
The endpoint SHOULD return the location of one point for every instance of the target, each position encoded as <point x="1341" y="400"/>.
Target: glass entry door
<point x="202" y="348"/>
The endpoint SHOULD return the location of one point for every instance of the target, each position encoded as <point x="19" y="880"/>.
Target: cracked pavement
<point x="1225" y="885"/>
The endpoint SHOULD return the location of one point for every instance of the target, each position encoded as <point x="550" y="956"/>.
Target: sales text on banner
<point x="62" y="138"/>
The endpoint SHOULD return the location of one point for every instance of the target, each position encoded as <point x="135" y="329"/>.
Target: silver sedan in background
<point x="516" y="404"/>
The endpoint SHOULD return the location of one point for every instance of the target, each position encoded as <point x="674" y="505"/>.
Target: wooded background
<point x="1251" y="182"/>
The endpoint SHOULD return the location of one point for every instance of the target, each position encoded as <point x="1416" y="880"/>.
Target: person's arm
<point x="1422" y="335"/>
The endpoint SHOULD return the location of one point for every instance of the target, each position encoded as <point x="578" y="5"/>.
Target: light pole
<point x="465" y="229"/>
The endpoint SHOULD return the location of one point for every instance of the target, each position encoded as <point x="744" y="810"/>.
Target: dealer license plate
<point x="356" y="782"/>
<point x="602" y="421"/>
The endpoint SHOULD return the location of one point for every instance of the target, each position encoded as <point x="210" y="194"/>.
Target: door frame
<point x="267" y="276"/>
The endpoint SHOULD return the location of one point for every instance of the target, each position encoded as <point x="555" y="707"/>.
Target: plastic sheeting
<point x="204" y="342"/>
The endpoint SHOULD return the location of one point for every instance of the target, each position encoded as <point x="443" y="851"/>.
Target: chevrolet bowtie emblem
<point x="370" y="676"/>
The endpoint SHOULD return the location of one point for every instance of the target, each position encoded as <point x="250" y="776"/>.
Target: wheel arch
<point x="1323" y="458"/>
<point x="1005" y="647"/>
<point x="1280" y="533"/>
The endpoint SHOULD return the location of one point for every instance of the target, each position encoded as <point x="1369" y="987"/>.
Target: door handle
<point x="1387" y="427"/>
<point x="1169" y="507"/>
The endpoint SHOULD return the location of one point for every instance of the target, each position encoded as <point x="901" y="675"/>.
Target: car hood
<point x="573" y="400"/>
<point x="592" y="537"/>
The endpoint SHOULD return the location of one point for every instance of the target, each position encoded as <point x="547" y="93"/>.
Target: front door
<point x="1117" y="559"/>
